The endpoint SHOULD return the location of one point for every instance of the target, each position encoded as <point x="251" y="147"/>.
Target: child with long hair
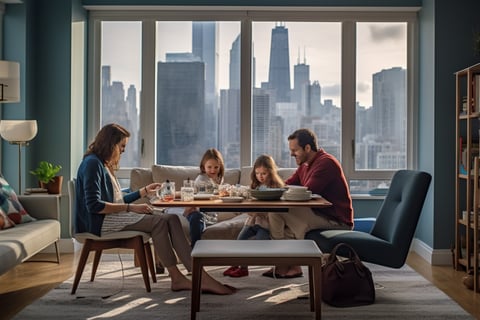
<point x="264" y="174"/>
<point x="212" y="171"/>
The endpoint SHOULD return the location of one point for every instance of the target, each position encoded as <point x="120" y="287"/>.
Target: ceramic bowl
<point x="297" y="189"/>
<point x="267" y="194"/>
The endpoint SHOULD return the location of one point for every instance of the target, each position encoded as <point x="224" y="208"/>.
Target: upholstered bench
<point x="259" y="252"/>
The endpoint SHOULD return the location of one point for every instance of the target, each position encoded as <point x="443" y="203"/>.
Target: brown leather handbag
<point x="346" y="282"/>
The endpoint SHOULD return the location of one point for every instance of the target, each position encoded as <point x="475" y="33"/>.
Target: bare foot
<point x="210" y="285"/>
<point x="293" y="271"/>
<point x="180" y="284"/>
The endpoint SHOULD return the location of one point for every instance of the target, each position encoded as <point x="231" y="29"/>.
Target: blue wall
<point x="41" y="41"/>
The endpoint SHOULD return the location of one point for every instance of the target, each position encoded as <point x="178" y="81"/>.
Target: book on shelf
<point x="474" y="152"/>
<point x="476" y="91"/>
<point x="464" y="216"/>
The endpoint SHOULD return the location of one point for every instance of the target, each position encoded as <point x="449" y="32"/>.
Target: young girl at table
<point x="264" y="175"/>
<point x="212" y="170"/>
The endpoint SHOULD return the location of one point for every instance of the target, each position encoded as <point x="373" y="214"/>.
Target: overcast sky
<point x="380" y="46"/>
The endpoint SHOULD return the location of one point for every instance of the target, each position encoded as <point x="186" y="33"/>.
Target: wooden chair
<point x="136" y="240"/>
<point x="388" y="243"/>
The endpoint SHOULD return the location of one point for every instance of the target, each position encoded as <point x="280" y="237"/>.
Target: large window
<point x="242" y="82"/>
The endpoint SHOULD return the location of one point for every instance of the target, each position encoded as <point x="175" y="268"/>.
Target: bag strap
<point x="353" y="256"/>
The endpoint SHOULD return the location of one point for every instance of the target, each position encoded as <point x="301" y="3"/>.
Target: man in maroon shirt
<point x="322" y="174"/>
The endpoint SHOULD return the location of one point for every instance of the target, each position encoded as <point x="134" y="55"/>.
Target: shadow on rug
<point x="400" y="294"/>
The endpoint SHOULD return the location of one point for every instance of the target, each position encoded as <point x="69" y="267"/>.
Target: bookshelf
<point x="467" y="178"/>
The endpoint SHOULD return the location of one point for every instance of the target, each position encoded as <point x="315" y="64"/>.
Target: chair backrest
<point x="71" y="201"/>
<point x="399" y="214"/>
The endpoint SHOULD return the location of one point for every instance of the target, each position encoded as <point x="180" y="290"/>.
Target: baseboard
<point x="435" y="257"/>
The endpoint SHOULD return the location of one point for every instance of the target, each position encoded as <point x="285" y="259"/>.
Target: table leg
<point x="311" y="287"/>
<point x="196" y="287"/>
<point x="317" y="288"/>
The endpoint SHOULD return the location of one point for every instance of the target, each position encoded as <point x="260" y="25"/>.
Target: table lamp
<point x="18" y="132"/>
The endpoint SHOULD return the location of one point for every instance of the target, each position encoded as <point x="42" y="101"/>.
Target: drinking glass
<point x="187" y="194"/>
<point x="168" y="191"/>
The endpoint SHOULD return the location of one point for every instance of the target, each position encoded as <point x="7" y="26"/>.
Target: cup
<point x="187" y="194"/>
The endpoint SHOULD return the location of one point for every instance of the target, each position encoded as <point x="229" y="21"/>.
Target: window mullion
<point x="147" y="99"/>
<point x="246" y="93"/>
<point x="348" y="97"/>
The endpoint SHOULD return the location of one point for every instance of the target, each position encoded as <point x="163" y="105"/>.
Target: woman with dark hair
<point x="101" y="207"/>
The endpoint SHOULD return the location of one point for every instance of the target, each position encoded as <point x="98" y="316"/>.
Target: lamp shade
<point x="9" y="81"/>
<point x="18" y="130"/>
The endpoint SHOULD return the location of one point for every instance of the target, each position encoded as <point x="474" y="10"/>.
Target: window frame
<point x="246" y="15"/>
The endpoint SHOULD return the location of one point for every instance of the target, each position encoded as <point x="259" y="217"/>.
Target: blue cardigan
<point x="93" y="187"/>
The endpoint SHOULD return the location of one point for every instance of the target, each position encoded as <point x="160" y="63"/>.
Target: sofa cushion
<point x="140" y="177"/>
<point x="20" y="243"/>
<point x="10" y="205"/>
<point x="177" y="174"/>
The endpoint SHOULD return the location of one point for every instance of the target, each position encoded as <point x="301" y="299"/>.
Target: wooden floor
<point x="31" y="280"/>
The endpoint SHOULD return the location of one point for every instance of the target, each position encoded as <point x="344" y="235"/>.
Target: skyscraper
<point x="301" y="86"/>
<point x="229" y="112"/>
<point x="279" y="69"/>
<point x="388" y="91"/>
<point x="180" y="116"/>
<point x="205" y="47"/>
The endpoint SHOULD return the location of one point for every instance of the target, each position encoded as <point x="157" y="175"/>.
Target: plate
<point x="290" y="198"/>
<point x="203" y="196"/>
<point x="231" y="199"/>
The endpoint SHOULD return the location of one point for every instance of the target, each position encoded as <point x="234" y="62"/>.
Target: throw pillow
<point x="10" y="205"/>
<point x="5" y="222"/>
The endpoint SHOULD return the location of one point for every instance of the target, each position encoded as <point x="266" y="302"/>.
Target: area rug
<point x="118" y="292"/>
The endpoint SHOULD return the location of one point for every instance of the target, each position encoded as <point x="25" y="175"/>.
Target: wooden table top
<point x="245" y="205"/>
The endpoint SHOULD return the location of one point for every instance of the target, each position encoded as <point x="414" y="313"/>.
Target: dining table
<point x="219" y="204"/>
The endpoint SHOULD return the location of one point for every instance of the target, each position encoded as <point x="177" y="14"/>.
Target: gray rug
<point x="400" y="294"/>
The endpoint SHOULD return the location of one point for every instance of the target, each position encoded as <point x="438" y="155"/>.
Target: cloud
<point x="363" y="87"/>
<point x="385" y="33"/>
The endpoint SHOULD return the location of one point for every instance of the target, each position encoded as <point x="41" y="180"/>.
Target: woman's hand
<point x="151" y="188"/>
<point x="142" y="208"/>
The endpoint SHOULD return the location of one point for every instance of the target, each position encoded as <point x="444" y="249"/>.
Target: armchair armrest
<point x="41" y="206"/>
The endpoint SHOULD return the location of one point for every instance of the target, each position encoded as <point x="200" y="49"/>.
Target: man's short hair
<point x="305" y="137"/>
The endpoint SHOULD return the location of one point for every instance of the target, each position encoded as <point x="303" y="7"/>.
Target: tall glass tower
<point x="279" y="70"/>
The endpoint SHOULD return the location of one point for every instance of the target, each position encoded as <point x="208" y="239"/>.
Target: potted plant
<point x="46" y="174"/>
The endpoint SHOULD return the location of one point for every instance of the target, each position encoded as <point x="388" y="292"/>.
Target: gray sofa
<point x="230" y="223"/>
<point x="23" y="241"/>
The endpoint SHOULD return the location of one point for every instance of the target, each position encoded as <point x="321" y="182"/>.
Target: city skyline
<point x="373" y="38"/>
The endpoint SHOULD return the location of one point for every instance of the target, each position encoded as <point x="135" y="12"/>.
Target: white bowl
<point x="297" y="189"/>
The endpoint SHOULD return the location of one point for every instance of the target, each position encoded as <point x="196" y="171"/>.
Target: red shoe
<point x="240" y="272"/>
<point x="230" y="270"/>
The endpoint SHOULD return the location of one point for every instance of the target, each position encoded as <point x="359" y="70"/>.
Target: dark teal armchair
<point x="388" y="242"/>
